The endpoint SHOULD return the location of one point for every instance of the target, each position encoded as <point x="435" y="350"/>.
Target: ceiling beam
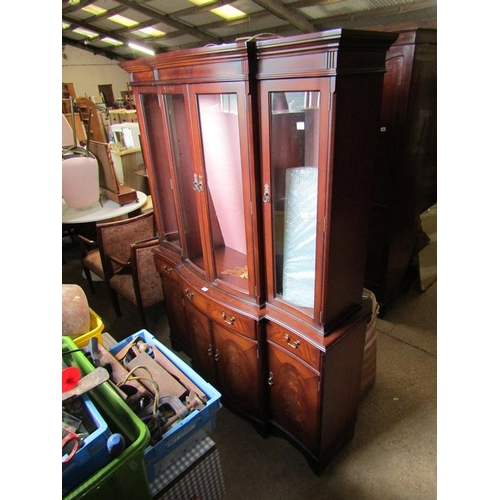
<point x="297" y="19"/>
<point x="376" y="16"/>
<point x="72" y="8"/>
<point x="95" y="50"/>
<point x="111" y="34"/>
<point x="170" y="21"/>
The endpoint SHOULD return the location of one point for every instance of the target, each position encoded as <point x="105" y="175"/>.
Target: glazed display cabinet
<point x="260" y="159"/>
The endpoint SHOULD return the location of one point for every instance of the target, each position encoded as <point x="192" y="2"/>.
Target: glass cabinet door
<point x="179" y="134"/>
<point x="223" y="181"/>
<point x="293" y="159"/>
<point x="156" y="154"/>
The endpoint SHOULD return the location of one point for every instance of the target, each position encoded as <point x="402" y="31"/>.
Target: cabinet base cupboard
<point x="260" y="158"/>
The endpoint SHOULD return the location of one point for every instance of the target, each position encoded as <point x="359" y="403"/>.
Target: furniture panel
<point x="238" y="370"/>
<point x="317" y="408"/>
<point x="294" y="344"/>
<point x="405" y="163"/>
<point x="237" y="322"/>
<point x="202" y="347"/>
<point x="227" y="360"/>
<point x="294" y="396"/>
<point x="173" y="292"/>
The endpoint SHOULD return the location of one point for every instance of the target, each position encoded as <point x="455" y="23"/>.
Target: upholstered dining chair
<point x="118" y="236"/>
<point x="91" y="260"/>
<point x="125" y="248"/>
<point x="140" y="283"/>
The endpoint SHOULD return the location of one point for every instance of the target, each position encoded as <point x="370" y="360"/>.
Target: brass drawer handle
<point x="189" y="295"/>
<point x="270" y="379"/>
<point x="210" y="349"/>
<point x="216" y="355"/>
<point x="167" y="269"/>
<point x="229" y="321"/>
<point x="295" y="345"/>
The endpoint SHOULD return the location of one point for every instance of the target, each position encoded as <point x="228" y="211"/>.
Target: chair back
<point x="116" y="237"/>
<point x="147" y="280"/>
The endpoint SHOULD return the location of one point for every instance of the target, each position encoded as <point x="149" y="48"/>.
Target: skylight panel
<point x="111" y="41"/>
<point x="94" y="9"/>
<point x="201" y="2"/>
<point x="228" y="12"/>
<point x="152" y="31"/>
<point x="84" y="32"/>
<point x="124" y="21"/>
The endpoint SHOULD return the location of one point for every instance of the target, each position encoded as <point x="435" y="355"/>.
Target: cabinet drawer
<point x="223" y="315"/>
<point x="294" y="344"/>
<point x="163" y="267"/>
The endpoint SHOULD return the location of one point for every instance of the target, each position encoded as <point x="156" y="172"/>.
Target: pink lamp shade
<point x="67" y="133"/>
<point x="80" y="181"/>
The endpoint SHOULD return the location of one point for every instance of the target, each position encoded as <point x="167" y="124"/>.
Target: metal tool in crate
<point x="155" y="389"/>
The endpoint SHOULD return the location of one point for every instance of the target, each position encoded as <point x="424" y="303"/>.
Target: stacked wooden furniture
<point x="405" y="167"/>
<point x="232" y="136"/>
<point x="93" y="119"/>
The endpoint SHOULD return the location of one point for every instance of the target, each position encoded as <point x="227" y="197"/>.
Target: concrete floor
<point x="394" y="451"/>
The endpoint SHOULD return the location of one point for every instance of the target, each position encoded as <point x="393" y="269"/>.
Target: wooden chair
<point x="126" y="254"/>
<point x="90" y="257"/>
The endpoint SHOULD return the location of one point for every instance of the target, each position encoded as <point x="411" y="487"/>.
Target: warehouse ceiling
<point x="119" y="29"/>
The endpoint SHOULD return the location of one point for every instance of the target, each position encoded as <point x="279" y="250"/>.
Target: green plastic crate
<point x="125" y="476"/>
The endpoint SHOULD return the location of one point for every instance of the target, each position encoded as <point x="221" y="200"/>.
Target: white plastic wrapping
<point x="299" y="252"/>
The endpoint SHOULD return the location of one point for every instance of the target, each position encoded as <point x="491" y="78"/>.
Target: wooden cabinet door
<point x="294" y="396"/>
<point x="237" y="369"/>
<point x="202" y="348"/>
<point x="172" y="291"/>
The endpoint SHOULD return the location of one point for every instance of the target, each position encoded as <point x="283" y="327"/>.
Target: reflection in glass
<point x="294" y="175"/>
<point x="223" y="169"/>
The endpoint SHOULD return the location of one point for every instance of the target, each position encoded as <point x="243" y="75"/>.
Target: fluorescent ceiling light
<point x="152" y="32"/>
<point x="141" y="49"/>
<point x="228" y="12"/>
<point x="124" y="21"/>
<point x="201" y="2"/>
<point x="111" y="41"/>
<point x="94" y="9"/>
<point x="84" y="32"/>
<point x="65" y="26"/>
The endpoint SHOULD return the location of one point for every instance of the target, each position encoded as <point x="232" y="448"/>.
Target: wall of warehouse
<point x="86" y="71"/>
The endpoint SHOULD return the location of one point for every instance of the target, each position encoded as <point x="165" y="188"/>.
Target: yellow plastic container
<point x="96" y="328"/>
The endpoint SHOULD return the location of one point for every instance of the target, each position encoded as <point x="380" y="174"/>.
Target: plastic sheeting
<point x="299" y="253"/>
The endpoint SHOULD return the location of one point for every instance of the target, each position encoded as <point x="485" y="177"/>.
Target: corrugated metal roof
<point x="186" y="25"/>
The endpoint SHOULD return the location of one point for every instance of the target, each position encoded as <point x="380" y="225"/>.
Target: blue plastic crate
<point x="191" y="427"/>
<point x="125" y="475"/>
<point x="92" y="454"/>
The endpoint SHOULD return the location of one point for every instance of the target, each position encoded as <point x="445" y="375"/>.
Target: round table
<point x="97" y="213"/>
